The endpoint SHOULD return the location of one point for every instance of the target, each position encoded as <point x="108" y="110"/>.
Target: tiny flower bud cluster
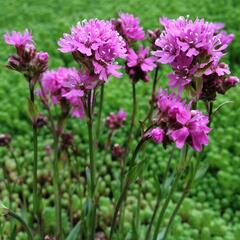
<point x="115" y="120"/>
<point x="27" y="60"/>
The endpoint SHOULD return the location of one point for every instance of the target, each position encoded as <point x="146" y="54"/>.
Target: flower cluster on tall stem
<point x="96" y="46"/>
<point x="31" y="64"/>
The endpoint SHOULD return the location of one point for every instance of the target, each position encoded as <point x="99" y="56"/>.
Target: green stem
<point x="159" y="197"/>
<point x="92" y="163"/>
<point x="153" y="95"/>
<point x="125" y="188"/>
<point x="36" y="199"/>
<point x="179" y="171"/>
<point x="184" y="194"/>
<point x="21" y="221"/>
<point x="56" y="188"/>
<point x="133" y="117"/>
<point x="98" y="127"/>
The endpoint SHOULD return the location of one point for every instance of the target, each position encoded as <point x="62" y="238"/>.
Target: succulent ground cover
<point x="210" y="211"/>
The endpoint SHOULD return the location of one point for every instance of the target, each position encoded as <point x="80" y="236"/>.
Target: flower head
<point x="27" y="60"/>
<point x="191" y="48"/>
<point x="139" y="64"/>
<point x="129" y="27"/>
<point x="65" y="86"/>
<point x="156" y="134"/>
<point x="178" y="123"/>
<point x="96" y="45"/>
<point x="116" y="120"/>
<point x="17" y="39"/>
<point x="217" y="81"/>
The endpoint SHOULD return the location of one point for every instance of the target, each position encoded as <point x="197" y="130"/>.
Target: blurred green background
<point x="212" y="210"/>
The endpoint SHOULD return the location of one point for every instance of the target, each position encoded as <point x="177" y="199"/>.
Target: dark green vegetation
<point x="212" y="210"/>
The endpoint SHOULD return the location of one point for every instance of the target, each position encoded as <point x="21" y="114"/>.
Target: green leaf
<point x="14" y="233"/>
<point x="74" y="234"/>
<point x="136" y="171"/>
<point x="201" y="172"/>
<point x="220" y="106"/>
<point x="3" y="209"/>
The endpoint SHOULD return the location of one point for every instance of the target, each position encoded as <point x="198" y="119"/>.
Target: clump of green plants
<point x="69" y="186"/>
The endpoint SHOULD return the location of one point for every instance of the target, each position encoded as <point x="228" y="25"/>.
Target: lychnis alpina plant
<point x="193" y="49"/>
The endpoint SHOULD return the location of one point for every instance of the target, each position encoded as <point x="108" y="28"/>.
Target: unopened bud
<point x="5" y="140"/>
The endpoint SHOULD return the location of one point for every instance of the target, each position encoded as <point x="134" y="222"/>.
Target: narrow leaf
<point x="74" y="234"/>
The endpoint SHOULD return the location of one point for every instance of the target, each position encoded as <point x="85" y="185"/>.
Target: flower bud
<point x="41" y="121"/>
<point x="5" y="140"/>
<point x="42" y="61"/>
<point x="14" y="63"/>
<point x="156" y="135"/>
<point x="117" y="151"/>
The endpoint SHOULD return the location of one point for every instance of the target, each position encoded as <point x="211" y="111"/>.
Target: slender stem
<point x="98" y="127"/>
<point x="56" y="188"/>
<point x="92" y="163"/>
<point x="21" y="221"/>
<point x="138" y="207"/>
<point x="91" y="146"/>
<point x="159" y="197"/>
<point x="69" y="187"/>
<point x="210" y="113"/>
<point x="184" y="194"/>
<point x="153" y="95"/>
<point x="125" y="187"/>
<point x="133" y="116"/>
<point x="36" y="210"/>
<point x="179" y="171"/>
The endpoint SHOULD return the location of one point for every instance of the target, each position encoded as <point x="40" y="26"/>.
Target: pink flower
<point x="139" y="64"/>
<point x="130" y="27"/>
<point x="116" y="120"/>
<point x="17" y="39"/>
<point x="27" y="60"/>
<point x="192" y="48"/>
<point x="179" y="123"/>
<point x="96" y="45"/>
<point x="217" y="80"/>
<point x="156" y="134"/>
<point x="66" y="84"/>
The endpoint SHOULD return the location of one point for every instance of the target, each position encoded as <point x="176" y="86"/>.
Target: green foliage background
<point x="212" y="210"/>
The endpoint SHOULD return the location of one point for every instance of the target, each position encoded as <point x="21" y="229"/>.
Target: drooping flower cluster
<point x="191" y="48"/>
<point x="139" y="64"/>
<point x="96" y="46"/>
<point x="67" y="87"/>
<point x="116" y="120"/>
<point x="27" y="60"/>
<point x="178" y="123"/>
<point x="129" y="27"/>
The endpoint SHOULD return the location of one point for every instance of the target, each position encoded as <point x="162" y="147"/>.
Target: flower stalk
<point x="179" y="172"/>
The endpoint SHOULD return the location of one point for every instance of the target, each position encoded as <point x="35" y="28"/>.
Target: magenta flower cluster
<point x="191" y="48"/>
<point x="129" y="27"/>
<point x="116" y="120"/>
<point x="96" y="46"/>
<point x="178" y="123"/>
<point x="65" y="86"/>
<point x="139" y="64"/>
<point x="27" y="60"/>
